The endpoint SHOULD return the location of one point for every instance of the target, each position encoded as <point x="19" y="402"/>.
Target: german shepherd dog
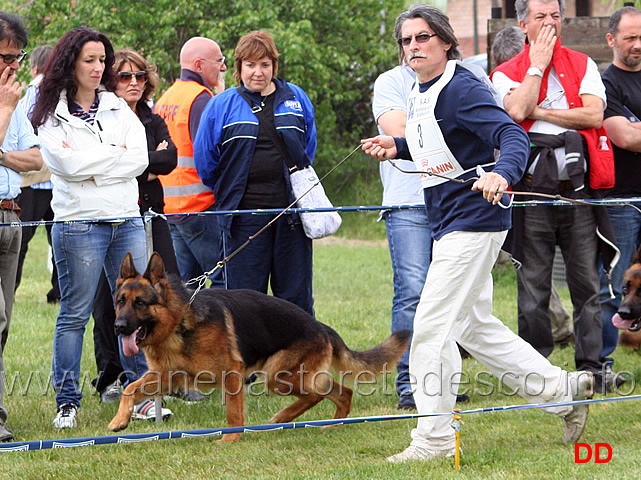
<point x="628" y="317"/>
<point x="228" y="334"/>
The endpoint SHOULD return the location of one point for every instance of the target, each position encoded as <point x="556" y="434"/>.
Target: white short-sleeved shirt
<point x="391" y="90"/>
<point x="19" y="136"/>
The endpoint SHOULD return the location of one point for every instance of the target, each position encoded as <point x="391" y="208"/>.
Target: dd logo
<point x="598" y="458"/>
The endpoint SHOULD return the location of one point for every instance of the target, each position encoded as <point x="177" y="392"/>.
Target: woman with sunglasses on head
<point x="95" y="147"/>
<point x="248" y="140"/>
<point x="136" y="83"/>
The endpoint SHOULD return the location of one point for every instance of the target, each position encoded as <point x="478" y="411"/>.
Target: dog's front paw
<point x="229" y="438"/>
<point x="119" y="422"/>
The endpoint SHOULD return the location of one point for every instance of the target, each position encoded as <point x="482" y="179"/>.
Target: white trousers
<point x="456" y="306"/>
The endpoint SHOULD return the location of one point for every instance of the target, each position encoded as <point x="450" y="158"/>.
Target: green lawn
<point x="353" y="292"/>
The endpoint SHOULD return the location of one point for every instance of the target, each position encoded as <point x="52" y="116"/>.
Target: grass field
<point x="353" y="292"/>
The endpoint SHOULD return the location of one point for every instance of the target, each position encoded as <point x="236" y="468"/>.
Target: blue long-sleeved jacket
<point x="224" y="146"/>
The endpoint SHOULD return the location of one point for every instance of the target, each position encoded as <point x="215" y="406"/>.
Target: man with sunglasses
<point x="196" y="238"/>
<point x="453" y="127"/>
<point x="19" y="152"/>
<point x="557" y="96"/>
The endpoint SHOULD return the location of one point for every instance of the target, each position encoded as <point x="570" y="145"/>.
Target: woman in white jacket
<point x="95" y="147"/>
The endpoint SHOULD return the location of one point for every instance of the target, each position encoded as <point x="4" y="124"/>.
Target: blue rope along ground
<point x="180" y="434"/>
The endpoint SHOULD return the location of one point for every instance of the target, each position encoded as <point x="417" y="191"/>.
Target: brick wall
<point x="462" y="19"/>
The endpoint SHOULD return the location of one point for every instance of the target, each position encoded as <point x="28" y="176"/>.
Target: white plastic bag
<point x="315" y="224"/>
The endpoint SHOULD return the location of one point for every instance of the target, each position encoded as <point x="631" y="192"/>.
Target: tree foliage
<point x="333" y="49"/>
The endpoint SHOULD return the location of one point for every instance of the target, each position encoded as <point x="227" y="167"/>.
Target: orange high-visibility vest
<point x="183" y="189"/>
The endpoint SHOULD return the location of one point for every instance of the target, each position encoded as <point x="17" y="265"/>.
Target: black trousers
<point x="104" y="337"/>
<point x="35" y="205"/>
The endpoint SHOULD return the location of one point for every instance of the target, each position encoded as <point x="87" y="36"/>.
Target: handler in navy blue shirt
<point x="453" y="128"/>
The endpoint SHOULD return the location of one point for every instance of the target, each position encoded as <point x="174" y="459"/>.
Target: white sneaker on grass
<point x="112" y="393"/>
<point x="582" y="389"/>
<point x="66" y="416"/>
<point x="414" y="452"/>
<point x="146" y="410"/>
<point x="188" y="398"/>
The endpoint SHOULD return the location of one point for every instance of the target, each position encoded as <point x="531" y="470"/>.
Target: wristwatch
<point x="535" y="71"/>
<point x="3" y="155"/>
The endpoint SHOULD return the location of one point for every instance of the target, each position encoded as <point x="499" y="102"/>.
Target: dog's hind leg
<point x="342" y="398"/>
<point x="317" y="387"/>
<point x="296" y="409"/>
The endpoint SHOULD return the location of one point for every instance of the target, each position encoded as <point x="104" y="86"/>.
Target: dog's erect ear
<point x="127" y="268"/>
<point x="155" y="269"/>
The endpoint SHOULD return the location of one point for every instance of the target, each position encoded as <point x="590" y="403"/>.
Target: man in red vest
<point x="557" y="96"/>
<point x="196" y="238"/>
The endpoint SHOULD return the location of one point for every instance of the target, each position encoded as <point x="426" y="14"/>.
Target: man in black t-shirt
<point x="621" y="120"/>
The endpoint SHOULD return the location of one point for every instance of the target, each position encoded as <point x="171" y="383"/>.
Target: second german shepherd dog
<point x="226" y="335"/>
<point x="628" y="317"/>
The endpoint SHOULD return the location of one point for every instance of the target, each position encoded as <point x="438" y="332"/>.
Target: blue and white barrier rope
<point x="355" y="208"/>
<point x="145" y="437"/>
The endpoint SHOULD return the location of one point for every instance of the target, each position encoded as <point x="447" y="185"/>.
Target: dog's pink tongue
<point x="618" y="322"/>
<point x="129" y="347"/>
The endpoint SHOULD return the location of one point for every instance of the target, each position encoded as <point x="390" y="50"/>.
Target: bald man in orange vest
<point x="196" y="238"/>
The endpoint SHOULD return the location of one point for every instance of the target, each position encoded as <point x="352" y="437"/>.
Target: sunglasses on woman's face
<point x="126" y="76"/>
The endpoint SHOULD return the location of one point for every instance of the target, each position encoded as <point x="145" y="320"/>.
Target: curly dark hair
<point x="59" y="72"/>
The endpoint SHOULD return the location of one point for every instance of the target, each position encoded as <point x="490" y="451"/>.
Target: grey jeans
<point x="573" y="228"/>
<point x="9" y="250"/>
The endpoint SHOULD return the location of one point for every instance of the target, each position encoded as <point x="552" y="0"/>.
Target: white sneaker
<point x="112" y="393"/>
<point x="414" y="452"/>
<point x="146" y="410"/>
<point x="189" y="398"/>
<point x="66" y="416"/>
<point x="582" y="389"/>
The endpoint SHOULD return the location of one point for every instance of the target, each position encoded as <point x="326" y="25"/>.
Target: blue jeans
<point x="197" y="244"/>
<point x="410" y="244"/>
<point x="626" y="224"/>
<point x="82" y="251"/>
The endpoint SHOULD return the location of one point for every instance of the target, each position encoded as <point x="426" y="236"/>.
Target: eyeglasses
<point x="420" y="38"/>
<point x="10" y="58"/>
<point x="125" y="77"/>
<point x="221" y="60"/>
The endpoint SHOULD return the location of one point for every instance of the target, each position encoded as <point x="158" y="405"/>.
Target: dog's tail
<point x="374" y="361"/>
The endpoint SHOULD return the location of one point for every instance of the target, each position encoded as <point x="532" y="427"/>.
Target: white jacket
<point x="94" y="178"/>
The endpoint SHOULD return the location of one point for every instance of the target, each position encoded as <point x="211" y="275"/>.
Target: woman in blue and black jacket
<point x="248" y="139"/>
